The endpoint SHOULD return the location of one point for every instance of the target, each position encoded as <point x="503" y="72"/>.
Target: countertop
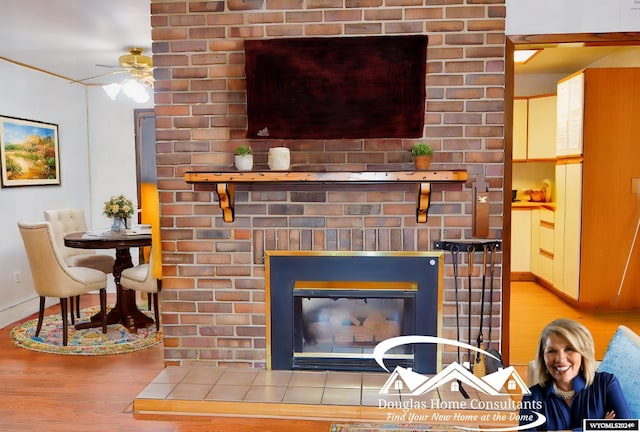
<point x="528" y="205"/>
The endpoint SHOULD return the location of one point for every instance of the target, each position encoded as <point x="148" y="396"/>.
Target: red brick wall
<point x="213" y="292"/>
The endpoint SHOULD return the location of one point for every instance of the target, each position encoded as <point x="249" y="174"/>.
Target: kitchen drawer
<point x="545" y="270"/>
<point x="548" y="216"/>
<point x="546" y="239"/>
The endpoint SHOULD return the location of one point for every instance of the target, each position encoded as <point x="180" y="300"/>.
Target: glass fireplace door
<point x="343" y="326"/>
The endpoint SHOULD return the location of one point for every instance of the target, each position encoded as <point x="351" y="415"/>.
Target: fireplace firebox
<point x="328" y="311"/>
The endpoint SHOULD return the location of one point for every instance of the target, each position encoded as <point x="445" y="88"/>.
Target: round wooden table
<point x="125" y="311"/>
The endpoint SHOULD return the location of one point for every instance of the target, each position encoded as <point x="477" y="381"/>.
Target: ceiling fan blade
<point x="109" y="66"/>
<point x="98" y="76"/>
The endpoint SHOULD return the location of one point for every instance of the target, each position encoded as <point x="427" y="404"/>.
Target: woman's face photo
<point x="562" y="361"/>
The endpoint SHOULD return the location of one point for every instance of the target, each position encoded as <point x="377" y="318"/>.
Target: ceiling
<point x="76" y="36"/>
<point x="72" y="37"/>
<point x="567" y="58"/>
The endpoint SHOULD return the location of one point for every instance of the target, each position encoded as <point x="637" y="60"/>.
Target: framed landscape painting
<point x="29" y="152"/>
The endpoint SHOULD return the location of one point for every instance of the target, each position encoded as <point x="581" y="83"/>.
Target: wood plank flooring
<point x="45" y="392"/>
<point x="533" y="307"/>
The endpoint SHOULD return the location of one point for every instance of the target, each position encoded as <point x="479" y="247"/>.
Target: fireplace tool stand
<point x="487" y="247"/>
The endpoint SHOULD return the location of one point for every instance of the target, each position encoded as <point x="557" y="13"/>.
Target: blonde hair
<point x="579" y="337"/>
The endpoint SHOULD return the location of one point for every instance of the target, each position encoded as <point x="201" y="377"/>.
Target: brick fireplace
<point x="214" y="299"/>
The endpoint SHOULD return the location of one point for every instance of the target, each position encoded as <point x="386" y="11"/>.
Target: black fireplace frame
<point x="425" y="269"/>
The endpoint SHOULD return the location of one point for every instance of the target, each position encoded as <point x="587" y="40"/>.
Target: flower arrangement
<point x="118" y="206"/>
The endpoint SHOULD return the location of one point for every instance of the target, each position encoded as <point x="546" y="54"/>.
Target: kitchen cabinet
<point x="534" y="128"/>
<point x="570" y="115"/>
<point x="596" y="208"/>
<point x="520" y="112"/>
<point x="535" y="241"/>
<point x="567" y="233"/>
<point x="546" y="249"/>
<point x="541" y="132"/>
<point x="521" y="240"/>
<point x="542" y="244"/>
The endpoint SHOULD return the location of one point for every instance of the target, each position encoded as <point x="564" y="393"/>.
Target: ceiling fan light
<point x="142" y="97"/>
<point x="135" y="90"/>
<point x="131" y="87"/>
<point x="112" y="90"/>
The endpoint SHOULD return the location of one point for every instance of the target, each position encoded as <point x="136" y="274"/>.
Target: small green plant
<point x="244" y="150"/>
<point x="421" y="149"/>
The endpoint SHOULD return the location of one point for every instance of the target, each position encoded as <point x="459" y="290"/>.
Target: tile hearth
<point x="277" y="393"/>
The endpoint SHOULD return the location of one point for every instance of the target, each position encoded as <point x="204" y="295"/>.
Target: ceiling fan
<point x="139" y="66"/>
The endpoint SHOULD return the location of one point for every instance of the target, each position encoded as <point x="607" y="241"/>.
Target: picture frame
<point x="29" y="152"/>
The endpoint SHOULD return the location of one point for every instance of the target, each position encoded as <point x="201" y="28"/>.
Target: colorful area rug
<point x="117" y="340"/>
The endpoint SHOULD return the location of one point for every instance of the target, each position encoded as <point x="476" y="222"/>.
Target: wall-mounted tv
<point x="336" y="88"/>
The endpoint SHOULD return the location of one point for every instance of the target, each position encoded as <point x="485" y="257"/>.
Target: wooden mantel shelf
<point x="225" y="181"/>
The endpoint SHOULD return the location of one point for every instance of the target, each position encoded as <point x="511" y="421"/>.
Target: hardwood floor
<point x="45" y="392"/>
<point x="533" y="307"/>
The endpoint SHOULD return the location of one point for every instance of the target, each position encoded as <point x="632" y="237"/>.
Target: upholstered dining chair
<point x="52" y="277"/>
<point x="141" y="278"/>
<point x="69" y="220"/>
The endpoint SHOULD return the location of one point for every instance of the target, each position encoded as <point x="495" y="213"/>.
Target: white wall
<point x="96" y="161"/>
<point x="112" y="146"/>
<point x="33" y="95"/>
<point x="525" y="17"/>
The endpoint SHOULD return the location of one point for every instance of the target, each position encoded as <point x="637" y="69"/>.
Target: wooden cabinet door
<point x="576" y="115"/>
<point x="535" y="241"/>
<point x="541" y="131"/>
<point x="546" y="245"/>
<point x="558" y="232"/>
<point x="570" y="115"/>
<point x="520" y="109"/>
<point x="562" y="116"/>
<point x="521" y="240"/>
<point x="572" y="229"/>
<point x="567" y="229"/>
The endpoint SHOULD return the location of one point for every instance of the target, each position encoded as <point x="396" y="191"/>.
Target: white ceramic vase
<point x="244" y="162"/>
<point x="279" y="158"/>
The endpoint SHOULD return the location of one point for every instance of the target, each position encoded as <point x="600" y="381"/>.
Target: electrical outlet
<point x="17" y="277"/>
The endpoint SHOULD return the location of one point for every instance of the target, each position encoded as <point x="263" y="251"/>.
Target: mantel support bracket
<point x="423" y="196"/>
<point x="226" y="198"/>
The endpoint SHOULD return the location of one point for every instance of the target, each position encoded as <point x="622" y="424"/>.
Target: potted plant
<point x="244" y="158"/>
<point x="421" y="153"/>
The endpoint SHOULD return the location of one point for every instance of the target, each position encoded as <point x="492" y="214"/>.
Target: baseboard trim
<point x="20" y="311"/>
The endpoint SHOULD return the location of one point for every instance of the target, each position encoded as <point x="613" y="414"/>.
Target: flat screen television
<point x="336" y="88"/>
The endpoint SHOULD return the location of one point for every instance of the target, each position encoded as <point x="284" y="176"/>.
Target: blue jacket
<point x="591" y="402"/>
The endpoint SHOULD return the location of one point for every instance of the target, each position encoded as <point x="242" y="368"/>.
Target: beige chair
<point x="140" y="278"/>
<point x="52" y="277"/>
<point x="70" y="220"/>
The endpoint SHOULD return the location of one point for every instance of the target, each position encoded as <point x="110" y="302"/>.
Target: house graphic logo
<point x="504" y="382"/>
<point x="405" y="383"/>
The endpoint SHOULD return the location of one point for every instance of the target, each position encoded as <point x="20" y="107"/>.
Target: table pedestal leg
<point x="125" y="311"/>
